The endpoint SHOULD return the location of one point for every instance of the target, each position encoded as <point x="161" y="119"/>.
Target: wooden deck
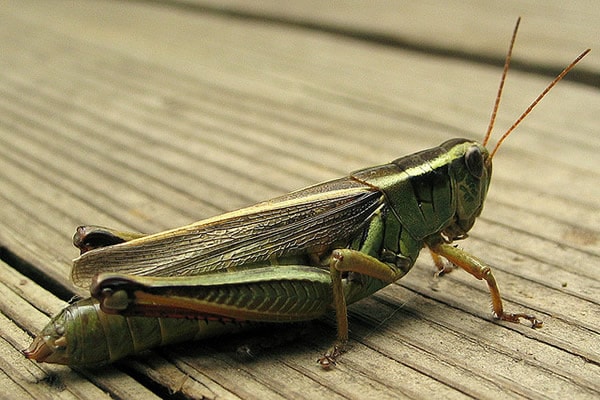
<point x="148" y="115"/>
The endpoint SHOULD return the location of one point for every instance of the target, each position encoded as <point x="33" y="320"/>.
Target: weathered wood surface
<point x="146" y="116"/>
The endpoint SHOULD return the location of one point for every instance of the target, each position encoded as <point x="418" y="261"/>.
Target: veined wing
<point x="311" y="219"/>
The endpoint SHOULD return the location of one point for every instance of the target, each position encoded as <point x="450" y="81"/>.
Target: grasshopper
<point x="289" y="259"/>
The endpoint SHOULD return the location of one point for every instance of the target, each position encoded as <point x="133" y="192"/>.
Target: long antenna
<point x="536" y="101"/>
<point x="488" y="134"/>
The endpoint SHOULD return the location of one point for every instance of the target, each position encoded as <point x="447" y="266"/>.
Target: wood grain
<point x="150" y="115"/>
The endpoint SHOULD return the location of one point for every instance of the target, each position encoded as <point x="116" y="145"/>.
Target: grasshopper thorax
<point x="435" y="191"/>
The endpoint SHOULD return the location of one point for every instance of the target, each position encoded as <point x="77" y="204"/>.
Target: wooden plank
<point x="460" y="28"/>
<point x="145" y="117"/>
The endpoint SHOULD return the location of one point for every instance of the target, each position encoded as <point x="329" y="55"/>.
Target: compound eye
<point x="474" y="161"/>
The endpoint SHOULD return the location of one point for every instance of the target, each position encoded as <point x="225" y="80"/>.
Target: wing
<point x="309" y="220"/>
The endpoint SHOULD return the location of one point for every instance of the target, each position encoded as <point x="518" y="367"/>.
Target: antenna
<point x="501" y="87"/>
<point x="537" y="100"/>
<point x="558" y="78"/>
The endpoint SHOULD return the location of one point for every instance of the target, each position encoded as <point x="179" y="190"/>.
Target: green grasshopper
<point x="289" y="259"/>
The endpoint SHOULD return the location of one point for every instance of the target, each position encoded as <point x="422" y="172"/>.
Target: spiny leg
<point x="341" y="316"/>
<point x="347" y="260"/>
<point x="480" y="270"/>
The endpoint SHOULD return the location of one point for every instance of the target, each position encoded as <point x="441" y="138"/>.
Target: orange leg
<point x="348" y="260"/>
<point x="480" y="270"/>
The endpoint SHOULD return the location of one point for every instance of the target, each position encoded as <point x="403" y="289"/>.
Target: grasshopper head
<point x="470" y="170"/>
<point x="471" y="162"/>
